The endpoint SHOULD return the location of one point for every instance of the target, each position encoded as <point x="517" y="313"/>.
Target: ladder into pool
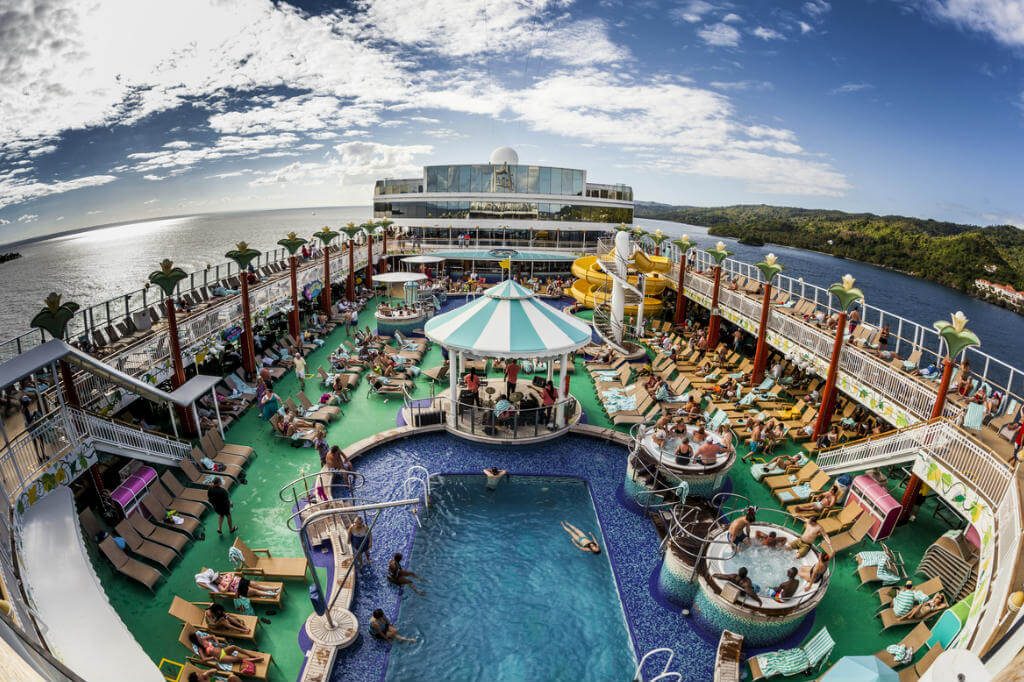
<point x="664" y="675"/>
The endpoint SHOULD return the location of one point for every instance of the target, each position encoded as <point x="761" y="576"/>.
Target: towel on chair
<point x="786" y="662"/>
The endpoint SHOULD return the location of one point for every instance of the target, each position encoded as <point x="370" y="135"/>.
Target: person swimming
<point x="494" y="476"/>
<point x="769" y="539"/>
<point x="580" y="540"/>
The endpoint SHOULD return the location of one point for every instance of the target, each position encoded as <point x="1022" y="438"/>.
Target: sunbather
<point x="231" y="582"/>
<point x="218" y="617"/>
<point x="816" y="573"/>
<point x="820" y="503"/>
<point x="213" y="675"/>
<point x="580" y="539"/>
<point x="922" y="611"/>
<point x="213" y="651"/>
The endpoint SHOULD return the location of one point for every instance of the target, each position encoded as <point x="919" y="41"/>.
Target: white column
<point x="640" y="308"/>
<point x="453" y="383"/>
<point x="216" y="409"/>
<point x="195" y="416"/>
<point x="618" y="293"/>
<point x="560" y="416"/>
<point x="174" y="422"/>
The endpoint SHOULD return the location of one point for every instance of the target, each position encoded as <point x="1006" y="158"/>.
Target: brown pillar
<point x="369" y="262"/>
<point x="761" y="352"/>
<point x="913" y="489"/>
<point x="248" y="344"/>
<point x="178" y="364"/>
<point x="715" y="322"/>
<point x="293" y="318"/>
<point x="325" y="292"/>
<point x="384" y="252"/>
<point x="351" y="270"/>
<point x="680" y="298"/>
<point x="828" y="395"/>
<point x="67" y="381"/>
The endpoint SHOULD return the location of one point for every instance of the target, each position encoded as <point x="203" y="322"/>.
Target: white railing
<point x="128" y="437"/>
<point x="1008" y="529"/>
<point x="26" y="457"/>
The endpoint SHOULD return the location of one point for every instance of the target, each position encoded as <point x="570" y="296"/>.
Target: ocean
<point x="90" y="267"/>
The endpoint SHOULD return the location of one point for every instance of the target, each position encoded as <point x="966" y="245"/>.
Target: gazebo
<point x="508" y="322"/>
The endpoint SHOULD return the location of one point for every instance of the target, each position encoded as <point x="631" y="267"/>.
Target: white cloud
<point x="4" y="222"/>
<point x="150" y="201"/>
<point x="847" y="88"/>
<point x="59" y="218"/>
<point x="732" y="18"/>
<point x="765" y="33"/>
<point x="226" y="146"/>
<point x="805" y="27"/>
<point x="178" y="144"/>
<point x="40" y="151"/>
<point x="817" y="8"/>
<point x="742" y="85"/>
<point x="304" y="113"/>
<point x="93" y="212"/>
<point x="1001" y="19"/>
<point x="692" y="12"/>
<point x="153" y="178"/>
<point x="720" y="35"/>
<point x="28" y="218"/>
<point x="16" y="189"/>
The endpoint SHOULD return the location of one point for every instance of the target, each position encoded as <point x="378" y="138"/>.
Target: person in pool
<point x="742" y="581"/>
<point x="381" y="628"/>
<point x="787" y="588"/>
<point x="399" y="576"/>
<point x="494" y="476"/>
<point x="769" y="539"/>
<point x="739" y="529"/>
<point x="580" y="539"/>
<point x="804" y="543"/>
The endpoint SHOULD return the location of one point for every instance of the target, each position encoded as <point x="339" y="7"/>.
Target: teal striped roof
<point x="509" y="321"/>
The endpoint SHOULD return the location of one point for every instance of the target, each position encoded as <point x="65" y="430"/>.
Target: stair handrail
<point x="359" y="480"/>
<point x="665" y="674"/>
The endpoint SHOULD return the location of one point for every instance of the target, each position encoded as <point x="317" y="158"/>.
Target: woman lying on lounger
<point x="213" y="675"/>
<point x="580" y="540"/>
<point x="231" y="583"/>
<point x="217" y="617"/>
<point x="214" y="651"/>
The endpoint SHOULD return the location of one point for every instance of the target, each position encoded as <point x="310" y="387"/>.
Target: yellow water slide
<point x="593" y="285"/>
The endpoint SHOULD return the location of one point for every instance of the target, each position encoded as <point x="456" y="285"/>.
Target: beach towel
<point x="796" y="493"/>
<point x="235" y="556"/>
<point x="881" y="561"/>
<point x="901" y="654"/>
<point x="786" y="662"/>
<point x="974" y="416"/>
<point x="606" y="375"/>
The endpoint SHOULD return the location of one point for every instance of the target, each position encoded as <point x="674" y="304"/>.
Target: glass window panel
<point x="463" y="178"/>
<point x="566" y="181"/>
<point x="544" y="182"/>
<point x="556" y="181"/>
<point x="532" y="181"/>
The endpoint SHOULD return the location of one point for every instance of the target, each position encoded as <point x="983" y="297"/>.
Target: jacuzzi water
<point x="508" y="596"/>
<point x="766" y="567"/>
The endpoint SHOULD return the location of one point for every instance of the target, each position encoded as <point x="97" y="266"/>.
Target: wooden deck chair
<point x="912" y="362"/>
<point x="851" y="537"/>
<point x="819" y="481"/>
<point x="914" y="673"/>
<point x="194" y="613"/>
<point x="260" y="562"/>
<point x="816" y="650"/>
<point x="931" y="587"/>
<point x="151" y="531"/>
<point x="311" y="415"/>
<point x="275" y="600"/>
<point x="188" y="525"/>
<point x="644" y="400"/>
<point x="178" y="490"/>
<point x="127" y="566"/>
<point x="438" y="374"/>
<point x="91" y="523"/>
<point x="193" y="508"/>
<point x="846" y="517"/>
<point x="787" y="480"/>
<point x="147" y="549"/>
<point x="652" y="410"/>
<point x="308" y="347"/>
<point x="211" y="451"/>
<point x="333" y="410"/>
<point x="230" y="468"/>
<point x="262" y="667"/>
<point x="229" y="448"/>
<point x="915" y="639"/>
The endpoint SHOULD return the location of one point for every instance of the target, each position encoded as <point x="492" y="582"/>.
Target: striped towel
<point x="974" y="416"/>
<point x="786" y="662"/>
<point x="881" y="561"/>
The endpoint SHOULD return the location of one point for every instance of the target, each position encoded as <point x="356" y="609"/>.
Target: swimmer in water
<point x="494" y="476"/>
<point x="580" y="540"/>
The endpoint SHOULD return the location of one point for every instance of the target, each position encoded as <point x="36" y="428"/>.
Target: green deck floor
<point x="260" y="515"/>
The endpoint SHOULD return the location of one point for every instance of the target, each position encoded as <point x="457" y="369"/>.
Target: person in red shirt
<point x="511" y="376"/>
<point x="473" y="385"/>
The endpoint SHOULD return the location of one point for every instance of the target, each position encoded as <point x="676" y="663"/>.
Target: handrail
<point x="520" y="427"/>
<point x="129" y="437"/>
<point x="665" y="674"/>
<point x="359" y="478"/>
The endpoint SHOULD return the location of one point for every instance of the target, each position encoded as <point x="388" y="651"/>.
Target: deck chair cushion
<point x="786" y="662"/>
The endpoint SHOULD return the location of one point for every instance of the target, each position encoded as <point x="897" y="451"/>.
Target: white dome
<point x="503" y="155"/>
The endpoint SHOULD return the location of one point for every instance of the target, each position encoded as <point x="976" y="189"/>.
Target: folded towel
<point x="786" y="662"/>
<point x="900" y="653"/>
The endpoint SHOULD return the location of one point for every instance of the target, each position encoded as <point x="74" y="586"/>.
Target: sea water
<point x="508" y="595"/>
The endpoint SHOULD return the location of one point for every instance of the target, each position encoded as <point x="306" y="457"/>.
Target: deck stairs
<point x="126" y="440"/>
<point x="893" y="447"/>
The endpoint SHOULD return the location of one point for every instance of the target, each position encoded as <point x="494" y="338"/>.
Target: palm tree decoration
<point x="293" y="243"/>
<point x="326" y="236"/>
<point x="684" y="245"/>
<point x="167" y="277"/>
<point x="957" y="336"/>
<point x="769" y="268"/>
<point x="351" y="231"/>
<point x="719" y="253"/>
<point x="847" y="294"/>
<point x="243" y="255"/>
<point x="54" y="318"/>
<point x="659" y="238"/>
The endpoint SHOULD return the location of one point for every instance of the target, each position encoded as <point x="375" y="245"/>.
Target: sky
<point x="116" y="110"/>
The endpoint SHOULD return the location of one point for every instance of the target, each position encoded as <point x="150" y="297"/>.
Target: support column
<point x="680" y="313"/>
<point x="293" y="318"/>
<point x="562" y="393"/>
<point x="454" y="362"/>
<point x="216" y="409"/>
<point x="828" y="395"/>
<point x="178" y="363"/>
<point x="913" y="489"/>
<point x="351" y="291"/>
<point x="369" y="261"/>
<point x="248" y="344"/>
<point x="715" y="322"/>
<point x="761" y="351"/>
<point x="325" y="292"/>
<point x="384" y="252"/>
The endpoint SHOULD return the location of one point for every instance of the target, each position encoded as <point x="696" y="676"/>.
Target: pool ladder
<point x="665" y="675"/>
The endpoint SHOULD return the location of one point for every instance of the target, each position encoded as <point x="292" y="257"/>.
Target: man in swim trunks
<point x="820" y="503"/>
<point x="740" y="580"/>
<point x="804" y="543"/>
<point x="494" y="476"/>
<point x="739" y="529"/>
<point x="816" y="573"/>
<point x="787" y="588"/>
<point x="769" y="539"/>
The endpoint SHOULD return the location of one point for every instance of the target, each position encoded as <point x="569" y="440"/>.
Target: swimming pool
<point x="508" y="596"/>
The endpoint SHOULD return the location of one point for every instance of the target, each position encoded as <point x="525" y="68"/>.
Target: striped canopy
<point x="509" y="321"/>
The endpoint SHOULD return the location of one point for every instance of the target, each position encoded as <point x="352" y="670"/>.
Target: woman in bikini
<point x="580" y="540"/>
<point x="213" y="651"/>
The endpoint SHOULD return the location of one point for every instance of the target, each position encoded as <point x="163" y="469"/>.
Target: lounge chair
<point x="91" y="523"/>
<point x="846" y="517"/>
<point x="147" y="549"/>
<point x="175" y="487"/>
<point x="127" y="566"/>
<point x="150" y="531"/>
<point x="275" y="600"/>
<point x="261" y="668"/>
<point x="218" y="446"/>
<point x="803" y="491"/>
<point x="913" y="674"/>
<point x="437" y="374"/>
<point x="788" y="662"/>
<point x="194" y="613"/>
<point x="915" y="639"/>
<point x="787" y="480"/>
<point x="931" y="587"/>
<point x="231" y="467"/>
<point x="891" y="620"/>
<point x="267" y="566"/>
<point x="311" y="415"/>
<point x="849" y="538"/>
<point x="163" y="515"/>
<point x="332" y="411"/>
<point x="193" y="508"/>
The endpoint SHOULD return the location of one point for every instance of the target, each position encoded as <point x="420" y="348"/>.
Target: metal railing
<point x="128" y="437"/>
<point x="664" y="674"/>
<point x="479" y="419"/>
<point x="26" y="457"/>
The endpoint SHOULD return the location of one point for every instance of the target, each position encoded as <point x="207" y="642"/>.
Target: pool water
<point x="508" y="596"/>
<point x="766" y="567"/>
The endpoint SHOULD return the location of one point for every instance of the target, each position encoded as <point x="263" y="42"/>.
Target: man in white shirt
<point x="300" y="369"/>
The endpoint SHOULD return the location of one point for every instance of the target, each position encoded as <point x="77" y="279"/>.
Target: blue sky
<point x="122" y="109"/>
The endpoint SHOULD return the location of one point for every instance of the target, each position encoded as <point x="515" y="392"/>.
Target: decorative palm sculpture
<point x="326" y="236"/>
<point x="351" y="231"/>
<point x="659" y="238"/>
<point x="54" y="318"/>
<point x="243" y="255"/>
<point x="958" y="338"/>
<point x="846" y="294"/>
<point x="167" y="278"/>
<point x="719" y="254"/>
<point x="769" y="268"/>
<point x="684" y="245"/>
<point x="293" y="243"/>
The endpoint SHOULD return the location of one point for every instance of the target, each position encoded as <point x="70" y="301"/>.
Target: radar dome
<point x="503" y="155"/>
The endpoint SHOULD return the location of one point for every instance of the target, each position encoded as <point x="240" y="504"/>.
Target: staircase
<point x="119" y="438"/>
<point x="893" y="447"/>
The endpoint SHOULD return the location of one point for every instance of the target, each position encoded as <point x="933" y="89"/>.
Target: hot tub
<point x="702" y="480"/>
<point x="771" y="621"/>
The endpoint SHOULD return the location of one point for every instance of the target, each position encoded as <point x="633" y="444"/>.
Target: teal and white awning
<point x="509" y="321"/>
